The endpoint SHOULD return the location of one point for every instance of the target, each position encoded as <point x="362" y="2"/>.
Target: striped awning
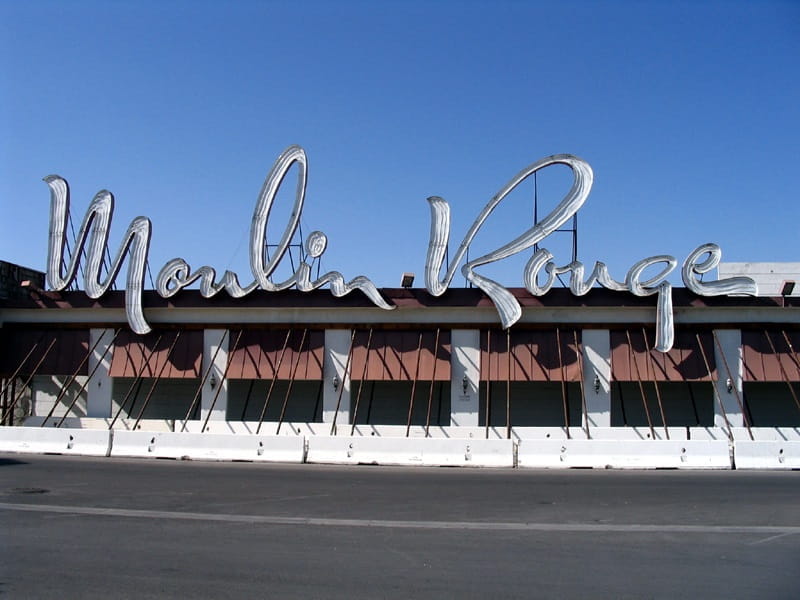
<point x="771" y="355"/>
<point x="401" y="355"/>
<point x="684" y="362"/>
<point x="149" y="355"/>
<point x="260" y="353"/>
<point x="534" y="355"/>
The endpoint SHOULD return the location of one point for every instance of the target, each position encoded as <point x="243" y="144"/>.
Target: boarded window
<point x="150" y="356"/>
<point x="261" y="353"/>
<point x="535" y="355"/>
<point x="684" y="362"/>
<point x="401" y="356"/>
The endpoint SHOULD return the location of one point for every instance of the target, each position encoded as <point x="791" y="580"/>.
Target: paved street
<point x="100" y="528"/>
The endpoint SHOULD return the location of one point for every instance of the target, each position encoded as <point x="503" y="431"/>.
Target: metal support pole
<point x="222" y="379"/>
<point x="714" y="387"/>
<point x="433" y="382"/>
<point x="68" y="383"/>
<point x="414" y="385"/>
<point x="89" y="378"/>
<point x="199" y="391"/>
<point x="361" y="382"/>
<point x="10" y="409"/>
<point x="579" y="352"/>
<point x="344" y="378"/>
<point x="157" y="378"/>
<point x="564" y="402"/>
<point x="274" y="380"/>
<point x="291" y="381"/>
<point x="135" y="381"/>
<point x="734" y="387"/>
<point x="651" y="372"/>
<point x="641" y="386"/>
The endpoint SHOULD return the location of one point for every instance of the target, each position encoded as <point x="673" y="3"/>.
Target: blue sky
<point x="687" y="112"/>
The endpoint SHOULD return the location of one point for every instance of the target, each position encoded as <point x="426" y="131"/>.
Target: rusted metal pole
<point x="157" y="378"/>
<point x="792" y="352"/>
<point x="207" y="372"/>
<point x="135" y="381"/>
<point x="10" y="409"/>
<point x="22" y="364"/>
<point x="651" y="372"/>
<point x="274" y="380"/>
<point x="433" y="382"/>
<point x="784" y="374"/>
<point x="291" y="381"/>
<point x="508" y="385"/>
<point x="341" y="383"/>
<point x="714" y="387"/>
<point x="734" y="387"/>
<point x="641" y="386"/>
<point x="579" y="352"/>
<point x="89" y="378"/>
<point x="222" y="380"/>
<point x="414" y="385"/>
<point x="361" y="382"/>
<point x="564" y="403"/>
<point x="68" y="383"/>
<point x="488" y="379"/>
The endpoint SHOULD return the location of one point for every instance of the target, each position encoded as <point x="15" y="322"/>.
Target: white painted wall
<point x="45" y="389"/>
<point x="597" y="366"/>
<point x="730" y="342"/>
<point x="337" y="348"/>
<point x="769" y="276"/>
<point x="465" y="361"/>
<point x="215" y="390"/>
<point x="99" y="390"/>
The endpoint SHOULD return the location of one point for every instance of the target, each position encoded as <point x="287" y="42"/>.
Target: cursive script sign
<point x="177" y="274"/>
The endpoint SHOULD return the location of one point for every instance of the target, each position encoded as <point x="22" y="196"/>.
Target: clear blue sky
<point x="688" y="112"/>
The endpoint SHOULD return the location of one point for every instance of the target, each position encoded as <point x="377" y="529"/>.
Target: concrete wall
<point x="45" y="390"/>
<point x="768" y="275"/>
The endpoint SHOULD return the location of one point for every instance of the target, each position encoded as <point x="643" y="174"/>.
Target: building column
<point x="335" y="382"/>
<point x="98" y="390"/>
<point x="465" y="366"/>
<point x="597" y="377"/>
<point x="215" y="386"/>
<point x="728" y="385"/>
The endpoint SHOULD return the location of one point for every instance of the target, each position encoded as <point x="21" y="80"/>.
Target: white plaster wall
<point x="100" y="387"/>
<point x="597" y="367"/>
<point x="215" y="390"/>
<point x="336" y="383"/>
<point x="729" y="367"/>
<point x="45" y="389"/>
<point x="769" y="276"/>
<point x="465" y="362"/>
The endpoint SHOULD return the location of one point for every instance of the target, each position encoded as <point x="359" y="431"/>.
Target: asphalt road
<point x="112" y="528"/>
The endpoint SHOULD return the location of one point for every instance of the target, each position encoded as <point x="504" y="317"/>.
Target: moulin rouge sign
<point x="177" y="274"/>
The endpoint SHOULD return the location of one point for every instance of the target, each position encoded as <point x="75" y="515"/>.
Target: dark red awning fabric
<point x="762" y="363"/>
<point x="149" y="355"/>
<point x="257" y="354"/>
<point x="394" y="356"/>
<point x="534" y="355"/>
<point x="632" y="362"/>
<point x="67" y="349"/>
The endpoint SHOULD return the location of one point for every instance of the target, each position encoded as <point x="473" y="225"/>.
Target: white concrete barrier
<point x="46" y="440"/>
<point x="624" y="454"/>
<point x="411" y="451"/>
<point x="208" y="446"/>
<point x="767" y="454"/>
